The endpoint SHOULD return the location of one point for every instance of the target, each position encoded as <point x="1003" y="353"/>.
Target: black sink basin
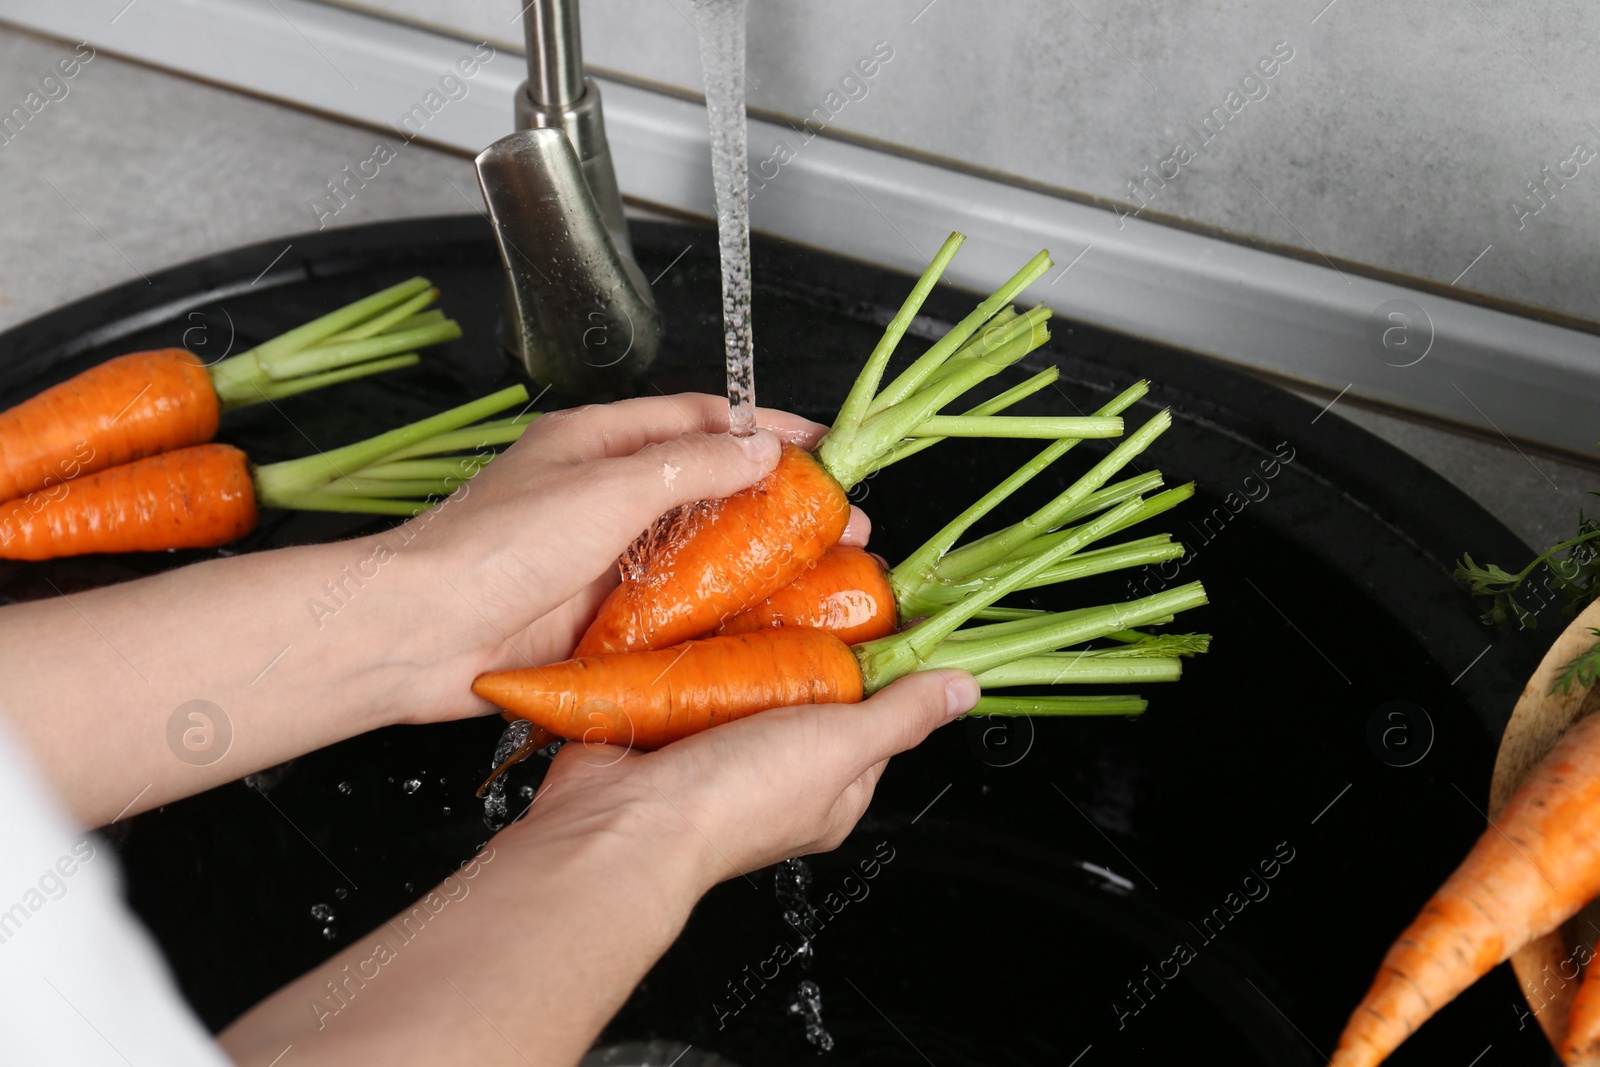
<point x="1216" y="880"/>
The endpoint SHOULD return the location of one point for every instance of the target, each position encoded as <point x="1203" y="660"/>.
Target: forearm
<point x="520" y="958"/>
<point x="98" y="681"/>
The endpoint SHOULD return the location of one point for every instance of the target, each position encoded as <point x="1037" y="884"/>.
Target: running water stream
<point x="722" y="24"/>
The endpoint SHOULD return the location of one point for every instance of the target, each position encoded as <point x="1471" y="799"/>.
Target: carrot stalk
<point x="1059" y="705"/>
<point x="930" y="596"/>
<point x="350" y="342"/>
<point x="1037" y="426"/>
<point x="997" y="403"/>
<point x="1058" y="668"/>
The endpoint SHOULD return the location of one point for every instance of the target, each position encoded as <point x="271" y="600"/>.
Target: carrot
<point x="845" y="593"/>
<point x="208" y="495"/>
<point x="682" y="582"/>
<point x="653" y="697"/>
<point x="1528" y="873"/>
<point x="145" y="403"/>
<point x="1583" y="1018"/>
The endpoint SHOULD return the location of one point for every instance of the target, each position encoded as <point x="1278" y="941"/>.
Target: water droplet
<point x="411" y="785"/>
<point x="411" y="887"/>
<point x="329" y="932"/>
<point x="526" y="792"/>
<point x="447" y="809"/>
<point x="807" y="1004"/>
<point x="346" y="788"/>
<point x="341" y="892"/>
<point x="323" y="913"/>
<point x="442" y="781"/>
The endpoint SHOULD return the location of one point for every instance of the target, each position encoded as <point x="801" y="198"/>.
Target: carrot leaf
<point x="1584" y="669"/>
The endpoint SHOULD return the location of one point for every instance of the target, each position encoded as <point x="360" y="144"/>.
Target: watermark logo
<point x="1399" y="333"/>
<point x="199" y="733"/>
<point x="1000" y="741"/>
<point x="1400" y="733"/>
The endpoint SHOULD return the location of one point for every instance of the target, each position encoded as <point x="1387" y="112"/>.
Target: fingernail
<point x="960" y="694"/>
<point x="760" y="447"/>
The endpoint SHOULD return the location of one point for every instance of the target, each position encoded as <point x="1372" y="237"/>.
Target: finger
<point x="858" y="530"/>
<point x="598" y="431"/>
<point x="899" y="717"/>
<point x="697" y="466"/>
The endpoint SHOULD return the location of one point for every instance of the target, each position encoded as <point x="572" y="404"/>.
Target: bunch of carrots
<point x="120" y="459"/>
<point x="731" y="607"/>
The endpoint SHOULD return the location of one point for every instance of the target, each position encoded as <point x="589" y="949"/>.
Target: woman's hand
<point x="512" y="570"/>
<point x="749" y="793"/>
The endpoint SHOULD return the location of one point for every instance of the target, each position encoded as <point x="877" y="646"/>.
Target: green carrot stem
<point x="999" y="402"/>
<point x="881" y="434"/>
<point x="1037" y="621"/>
<point x="1155" y="646"/>
<point x="1006" y="615"/>
<point x="471" y="439"/>
<point x="270" y="390"/>
<point x="934" y="594"/>
<point x="326" y="357"/>
<point x="1150" y="507"/>
<point x="912" y="378"/>
<point x="354" y="504"/>
<point x="1071" y="668"/>
<point x="918" y="566"/>
<point x="311" y="473"/>
<point x="1006" y="326"/>
<point x="1059" y="705"/>
<point x="427" y="318"/>
<point x="357" y="485"/>
<point x="389" y="319"/>
<point x="319" y="329"/>
<point x="970" y="558"/>
<point x="429" y="469"/>
<point x="1015" y="426"/>
<point x="888" y="658"/>
<point x="854" y="408"/>
<point x="981" y="651"/>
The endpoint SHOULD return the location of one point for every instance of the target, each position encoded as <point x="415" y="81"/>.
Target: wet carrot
<point x="845" y="593"/>
<point x="722" y="557"/>
<point x="650" y="698"/>
<point x="189" y="498"/>
<point x="144" y="403"/>
<point x="1529" y="872"/>
<point x="122" y="410"/>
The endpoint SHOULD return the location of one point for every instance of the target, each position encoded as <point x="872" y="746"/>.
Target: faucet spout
<point x="581" y="314"/>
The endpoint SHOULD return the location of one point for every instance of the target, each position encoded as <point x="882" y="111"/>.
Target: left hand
<point x="510" y="572"/>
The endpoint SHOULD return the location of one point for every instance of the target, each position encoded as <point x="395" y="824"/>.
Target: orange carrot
<point x="1583" y="1018"/>
<point x="144" y="403"/>
<point x="190" y="498"/>
<point x="208" y="495"/>
<point x="846" y="593"/>
<point x="724" y="556"/>
<point x="122" y="410"/>
<point x="1529" y="872"/>
<point x="647" y="699"/>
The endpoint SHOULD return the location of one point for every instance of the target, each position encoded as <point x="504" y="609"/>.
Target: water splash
<point x="791" y="880"/>
<point x="722" y="50"/>
<point x="807" y="1004"/>
<point x="346" y="788"/>
<point x="411" y="785"/>
<point x="512" y="738"/>
<point x="323" y="913"/>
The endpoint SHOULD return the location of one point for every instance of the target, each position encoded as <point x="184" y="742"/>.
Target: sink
<point x="1052" y="889"/>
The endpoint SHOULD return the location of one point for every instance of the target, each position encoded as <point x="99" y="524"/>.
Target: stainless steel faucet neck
<point x="555" y="53"/>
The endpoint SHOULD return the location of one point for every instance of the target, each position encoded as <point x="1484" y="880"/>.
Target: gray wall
<point x="1398" y="136"/>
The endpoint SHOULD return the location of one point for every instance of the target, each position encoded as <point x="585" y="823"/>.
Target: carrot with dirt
<point x="1533" y="869"/>
<point x="145" y="403"/>
<point x="208" y="495"/>
<point x="651" y="698"/>
<point x="709" y="561"/>
<point x="849" y="593"/>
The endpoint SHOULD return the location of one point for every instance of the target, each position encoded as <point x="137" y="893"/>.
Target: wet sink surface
<point x="1217" y="879"/>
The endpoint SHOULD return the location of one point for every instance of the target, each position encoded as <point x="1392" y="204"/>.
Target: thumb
<point x="901" y="716"/>
<point x="695" y="466"/>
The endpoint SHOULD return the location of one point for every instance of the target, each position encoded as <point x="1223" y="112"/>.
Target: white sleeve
<point x="81" y="982"/>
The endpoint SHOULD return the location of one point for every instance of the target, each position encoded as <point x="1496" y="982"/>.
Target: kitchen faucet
<point x="579" y="312"/>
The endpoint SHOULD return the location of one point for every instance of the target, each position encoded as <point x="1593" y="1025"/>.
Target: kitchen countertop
<point x="134" y="170"/>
